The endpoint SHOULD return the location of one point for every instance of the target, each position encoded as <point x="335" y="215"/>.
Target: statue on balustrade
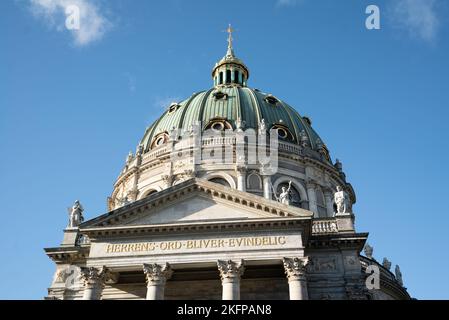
<point x="342" y="201"/>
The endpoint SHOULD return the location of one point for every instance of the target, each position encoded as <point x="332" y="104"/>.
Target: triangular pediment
<point x="195" y="200"/>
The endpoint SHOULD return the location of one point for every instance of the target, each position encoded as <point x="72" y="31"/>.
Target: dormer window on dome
<point x="173" y="107"/>
<point x="271" y="99"/>
<point x="283" y="132"/>
<point x="218" y="124"/>
<point x="159" y="140"/>
<point x="219" y="95"/>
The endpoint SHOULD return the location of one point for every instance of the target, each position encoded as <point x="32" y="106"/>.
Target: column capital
<point x="311" y="183"/>
<point x="241" y="168"/>
<point x="156" y="273"/>
<point x="92" y="276"/>
<point x="295" y="268"/>
<point x="230" y="270"/>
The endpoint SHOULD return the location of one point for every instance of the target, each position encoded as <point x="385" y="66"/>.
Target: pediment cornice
<point x="267" y="208"/>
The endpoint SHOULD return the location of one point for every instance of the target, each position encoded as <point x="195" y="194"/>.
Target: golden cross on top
<point x="229" y="30"/>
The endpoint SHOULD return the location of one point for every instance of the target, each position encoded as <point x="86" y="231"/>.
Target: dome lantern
<point x="230" y="71"/>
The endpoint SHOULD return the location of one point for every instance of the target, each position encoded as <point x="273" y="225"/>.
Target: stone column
<point x="296" y="274"/>
<point x="241" y="178"/>
<point x="156" y="276"/>
<point x="267" y="187"/>
<point x="312" y="198"/>
<point x="93" y="280"/>
<point x="329" y="203"/>
<point x="230" y="273"/>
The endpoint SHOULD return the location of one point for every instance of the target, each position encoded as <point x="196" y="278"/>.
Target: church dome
<point x="231" y="102"/>
<point x="225" y="106"/>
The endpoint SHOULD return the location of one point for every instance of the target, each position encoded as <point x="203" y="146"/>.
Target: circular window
<point x="159" y="140"/>
<point x="218" y="126"/>
<point x="282" y="133"/>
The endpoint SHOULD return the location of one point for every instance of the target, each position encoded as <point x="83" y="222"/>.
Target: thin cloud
<point x="164" y="102"/>
<point x="419" y="18"/>
<point x="93" y="23"/>
<point x="288" y="3"/>
<point x="132" y="82"/>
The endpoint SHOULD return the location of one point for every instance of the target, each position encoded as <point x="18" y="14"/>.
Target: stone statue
<point x="338" y="165"/>
<point x="262" y="127"/>
<point x="76" y="215"/>
<point x="341" y="199"/>
<point x="129" y="158"/>
<point x="139" y="150"/>
<point x="285" y="195"/>
<point x="239" y="124"/>
<point x="368" y="251"/>
<point x="123" y="201"/>
<point x="173" y="134"/>
<point x="303" y="138"/>
<point x="398" y="274"/>
<point x="386" y="264"/>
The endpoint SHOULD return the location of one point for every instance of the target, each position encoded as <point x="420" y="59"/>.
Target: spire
<point x="230" y="70"/>
<point x="230" y="52"/>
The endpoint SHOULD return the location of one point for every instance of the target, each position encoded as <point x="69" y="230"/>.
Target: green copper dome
<point x="229" y="102"/>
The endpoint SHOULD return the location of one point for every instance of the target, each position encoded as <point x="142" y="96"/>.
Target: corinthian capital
<point x="230" y="270"/>
<point x="168" y="179"/>
<point x="92" y="276"/>
<point x="156" y="273"/>
<point x="295" y="268"/>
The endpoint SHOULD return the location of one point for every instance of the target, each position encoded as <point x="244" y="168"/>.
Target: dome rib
<point x="203" y="103"/>
<point x="256" y="105"/>
<point x="181" y="120"/>
<point x="295" y="127"/>
<point x="239" y="103"/>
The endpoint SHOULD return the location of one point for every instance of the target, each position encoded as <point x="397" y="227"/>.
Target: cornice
<point x="302" y="223"/>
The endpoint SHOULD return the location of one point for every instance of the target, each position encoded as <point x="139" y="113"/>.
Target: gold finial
<point x="229" y="30"/>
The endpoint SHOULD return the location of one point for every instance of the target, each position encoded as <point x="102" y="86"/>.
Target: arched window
<point x="295" y="198"/>
<point x="221" y="181"/>
<point x="322" y="212"/>
<point x="228" y="76"/>
<point x="254" y="182"/>
<point x="236" y="76"/>
<point x="149" y="193"/>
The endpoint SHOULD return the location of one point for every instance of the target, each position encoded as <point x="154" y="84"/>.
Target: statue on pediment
<point x="75" y="215"/>
<point x="285" y="195"/>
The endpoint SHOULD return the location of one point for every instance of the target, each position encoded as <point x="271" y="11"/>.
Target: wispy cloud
<point x="164" y="102"/>
<point x="93" y="23"/>
<point x="417" y="17"/>
<point x="131" y="82"/>
<point x="288" y="3"/>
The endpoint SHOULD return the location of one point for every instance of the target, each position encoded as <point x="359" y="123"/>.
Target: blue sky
<point x="73" y="104"/>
